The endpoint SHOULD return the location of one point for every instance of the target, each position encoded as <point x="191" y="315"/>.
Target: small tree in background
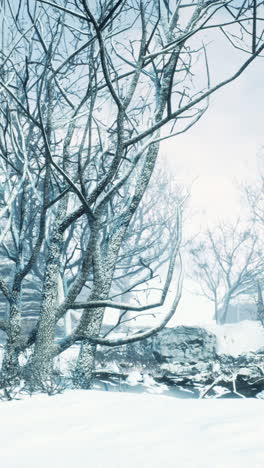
<point x="226" y="263"/>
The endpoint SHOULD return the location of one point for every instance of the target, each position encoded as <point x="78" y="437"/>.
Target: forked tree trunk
<point x="91" y="323"/>
<point x="83" y="373"/>
<point x="91" y="320"/>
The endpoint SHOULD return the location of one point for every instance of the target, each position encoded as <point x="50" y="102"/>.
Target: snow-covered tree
<point x="226" y="263"/>
<point x="88" y="91"/>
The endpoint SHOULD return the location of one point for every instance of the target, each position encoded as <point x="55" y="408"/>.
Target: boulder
<point x="184" y="344"/>
<point x="171" y="345"/>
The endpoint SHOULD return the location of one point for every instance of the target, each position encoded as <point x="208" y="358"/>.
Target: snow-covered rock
<point x="184" y="344"/>
<point x="170" y="345"/>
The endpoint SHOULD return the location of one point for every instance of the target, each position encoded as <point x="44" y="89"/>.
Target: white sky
<point x="220" y="152"/>
<point x="221" y="149"/>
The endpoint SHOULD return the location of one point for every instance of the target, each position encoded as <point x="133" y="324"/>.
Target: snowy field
<point x="81" y="429"/>
<point x="145" y="429"/>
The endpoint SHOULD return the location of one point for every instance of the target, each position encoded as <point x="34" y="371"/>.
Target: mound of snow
<point x="238" y="338"/>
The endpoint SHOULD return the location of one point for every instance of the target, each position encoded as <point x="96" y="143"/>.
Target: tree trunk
<point x="83" y="374"/>
<point x="225" y="309"/>
<point x="91" y="320"/>
<point x="216" y="313"/>
<point x="260" y="305"/>
<point x="62" y="292"/>
<point x="10" y="372"/>
<point x="41" y="365"/>
<point x="91" y="323"/>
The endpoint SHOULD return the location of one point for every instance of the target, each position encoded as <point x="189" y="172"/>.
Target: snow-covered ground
<point x="119" y="430"/>
<point x="145" y="429"/>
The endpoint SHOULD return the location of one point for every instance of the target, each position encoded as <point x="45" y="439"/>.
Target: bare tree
<point x="226" y="264"/>
<point x="88" y="93"/>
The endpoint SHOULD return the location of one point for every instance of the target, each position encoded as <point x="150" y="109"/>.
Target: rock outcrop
<point x="184" y="344"/>
<point x="171" y="345"/>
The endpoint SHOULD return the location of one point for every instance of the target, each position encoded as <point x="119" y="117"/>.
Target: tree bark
<point x="91" y="323"/>
<point x="41" y="365"/>
<point x="91" y="320"/>
<point x="10" y="372"/>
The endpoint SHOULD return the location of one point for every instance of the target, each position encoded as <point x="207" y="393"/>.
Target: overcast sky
<point x="221" y="152"/>
<point x="221" y="149"/>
